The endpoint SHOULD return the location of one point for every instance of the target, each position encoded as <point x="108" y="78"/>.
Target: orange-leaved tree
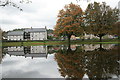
<point x="69" y="22"/>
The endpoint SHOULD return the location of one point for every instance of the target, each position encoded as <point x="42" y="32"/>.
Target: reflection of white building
<point x="108" y="46"/>
<point x="91" y="47"/>
<point x="73" y="47"/>
<point x="19" y="48"/>
<point x="32" y="51"/>
<point x="17" y="51"/>
<point x="37" y="51"/>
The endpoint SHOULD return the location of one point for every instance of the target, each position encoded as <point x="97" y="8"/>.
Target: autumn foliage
<point x="74" y="64"/>
<point x="69" y="21"/>
<point x="116" y="30"/>
<point x="99" y="19"/>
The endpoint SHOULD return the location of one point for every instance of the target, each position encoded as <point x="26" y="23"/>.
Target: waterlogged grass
<point x="55" y="43"/>
<point x="34" y="43"/>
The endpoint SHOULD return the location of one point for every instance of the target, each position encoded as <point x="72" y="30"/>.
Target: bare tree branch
<point x="10" y="3"/>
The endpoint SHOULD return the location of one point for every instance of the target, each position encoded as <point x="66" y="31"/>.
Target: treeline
<point x="98" y="19"/>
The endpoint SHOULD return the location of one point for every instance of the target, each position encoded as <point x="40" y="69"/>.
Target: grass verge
<point x="55" y="43"/>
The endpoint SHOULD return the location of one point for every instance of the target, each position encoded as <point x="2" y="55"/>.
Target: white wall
<point x="38" y="36"/>
<point x="38" y="49"/>
<point x="16" y="38"/>
<point x="33" y="36"/>
<point x="89" y="36"/>
<point x="15" y="48"/>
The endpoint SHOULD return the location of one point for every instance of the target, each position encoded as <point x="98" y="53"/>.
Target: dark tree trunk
<point x="100" y="38"/>
<point x="69" y="36"/>
<point x="100" y="46"/>
<point x="69" y="49"/>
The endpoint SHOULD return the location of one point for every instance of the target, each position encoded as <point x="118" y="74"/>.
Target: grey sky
<point x="39" y="13"/>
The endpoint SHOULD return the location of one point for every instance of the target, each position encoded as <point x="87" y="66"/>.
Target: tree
<point x="116" y="30"/>
<point x="11" y="3"/>
<point x="96" y="64"/>
<point x="69" y="21"/>
<point x="100" y="18"/>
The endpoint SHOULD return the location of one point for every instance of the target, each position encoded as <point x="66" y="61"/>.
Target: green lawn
<point x="56" y="43"/>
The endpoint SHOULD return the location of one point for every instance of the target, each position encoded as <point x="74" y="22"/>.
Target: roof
<point x="15" y="33"/>
<point x="16" y="53"/>
<point x="35" y="30"/>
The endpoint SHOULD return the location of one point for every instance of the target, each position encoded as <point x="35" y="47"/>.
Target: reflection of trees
<point x="101" y="63"/>
<point x="69" y="64"/>
<point x="97" y="64"/>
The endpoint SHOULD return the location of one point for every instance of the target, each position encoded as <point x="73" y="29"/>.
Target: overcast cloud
<point x="39" y="13"/>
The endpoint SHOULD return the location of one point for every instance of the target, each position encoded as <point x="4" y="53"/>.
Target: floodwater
<point x="90" y="61"/>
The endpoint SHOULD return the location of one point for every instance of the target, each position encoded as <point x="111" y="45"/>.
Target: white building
<point x="28" y="34"/>
<point x="15" y="36"/>
<point x="37" y="33"/>
<point x="89" y="36"/>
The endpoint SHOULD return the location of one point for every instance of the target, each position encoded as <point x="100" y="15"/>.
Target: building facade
<point x="28" y="51"/>
<point x="36" y="34"/>
<point x="28" y="34"/>
<point x="15" y="36"/>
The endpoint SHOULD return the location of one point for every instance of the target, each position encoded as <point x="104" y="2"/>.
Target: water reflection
<point x="28" y="51"/>
<point x="28" y="62"/>
<point x="93" y="60"/>
<point x="61" y="61"/>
